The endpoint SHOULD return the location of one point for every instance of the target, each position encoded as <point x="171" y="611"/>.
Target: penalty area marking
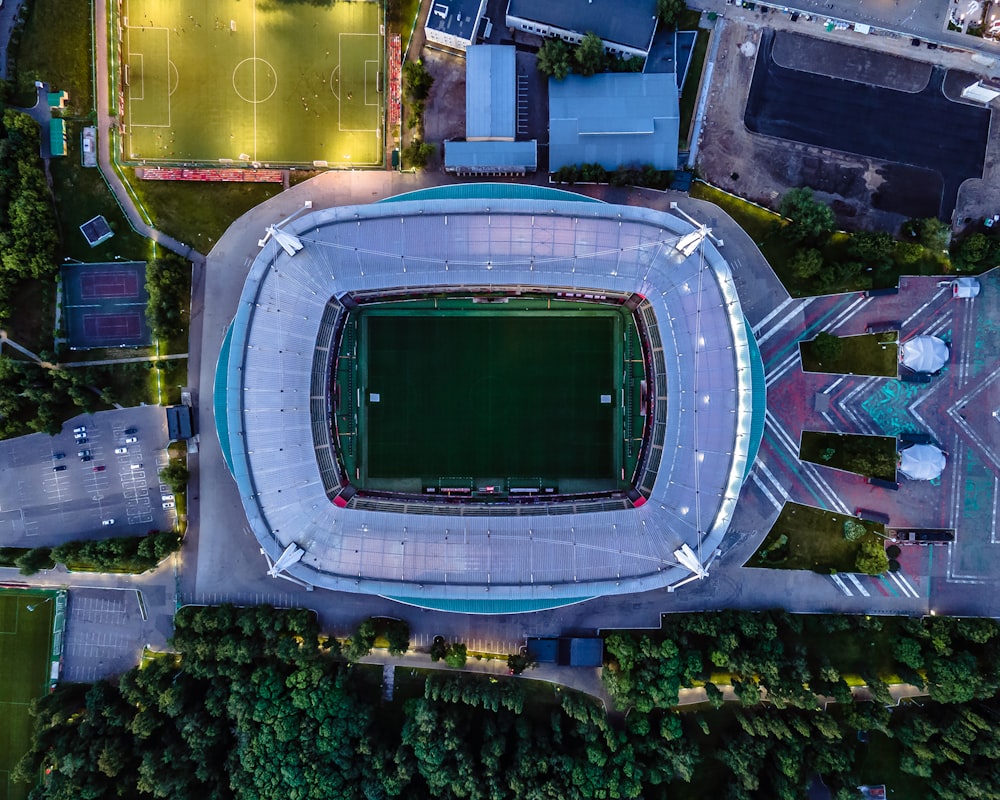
<point x="142" y="57"/>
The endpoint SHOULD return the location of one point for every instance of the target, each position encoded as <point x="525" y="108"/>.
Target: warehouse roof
<point x="490" y="92"/>
<point x="614" y="119"/>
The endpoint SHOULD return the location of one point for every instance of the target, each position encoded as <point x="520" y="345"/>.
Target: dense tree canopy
<point x="168" y="281"/>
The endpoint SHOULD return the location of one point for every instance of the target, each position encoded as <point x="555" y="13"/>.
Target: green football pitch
<point x="251" y="81"/>
<point x="511" y="398"/>
<point x="25" y="652"/>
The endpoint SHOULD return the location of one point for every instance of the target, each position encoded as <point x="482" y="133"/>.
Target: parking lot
<point x="50" y="493"/>
<point x="104" y="634"/>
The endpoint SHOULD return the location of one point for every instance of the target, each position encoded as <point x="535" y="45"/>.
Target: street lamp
<point x="36" y="605"/>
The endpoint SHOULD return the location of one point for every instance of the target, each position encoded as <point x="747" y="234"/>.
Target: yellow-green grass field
<point x="265" y="82"/>
<point x="25" y="651"/>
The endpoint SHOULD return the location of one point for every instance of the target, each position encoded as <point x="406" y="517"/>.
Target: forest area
<point x="257" y="703"/>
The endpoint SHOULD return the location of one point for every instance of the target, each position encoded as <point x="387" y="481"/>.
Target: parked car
<point x="57" y="456"/>
<point x="60" y="468"/>
<point x="83" y="453"/>
<point x="87" y="458"/>
<point x="131" y="439"/>
<point x="99" y="469"/>
<point x="79" y="435"/>
<point x="82" y="440"/>
<point x="120" y="451"/>
<point x="168" y="505"/>
<point x="108" y="522"/>
<point x="81" y="429"/>
<point x="130" y="431"/>
<point x="166" y="497"/>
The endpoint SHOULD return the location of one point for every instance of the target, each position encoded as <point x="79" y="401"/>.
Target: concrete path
<point x="110" y="361"/>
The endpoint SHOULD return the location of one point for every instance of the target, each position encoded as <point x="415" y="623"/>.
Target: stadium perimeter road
<point x="42" y="505"/>
<point x="924" y="129"/>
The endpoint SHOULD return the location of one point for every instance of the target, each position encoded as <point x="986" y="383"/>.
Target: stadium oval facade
<point x="273" y="402"/>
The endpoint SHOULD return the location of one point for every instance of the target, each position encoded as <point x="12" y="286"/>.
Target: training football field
<point x="251" y="81"/>
<point x="25" y="653"/>
<point x="481" y="397"/>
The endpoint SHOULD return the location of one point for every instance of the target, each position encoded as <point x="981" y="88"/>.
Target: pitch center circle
<point x="254" y="80"/>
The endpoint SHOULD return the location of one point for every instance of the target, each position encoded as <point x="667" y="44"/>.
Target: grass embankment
<point x="197" y="213"/>
<point x="804" y="537"/>
<point x="869" y="354"/>
<point x="871" y="456"/>
<point x="689" y="92"/>
<point x="401" y="16"/>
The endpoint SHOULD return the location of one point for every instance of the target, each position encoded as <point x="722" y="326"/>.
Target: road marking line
<point x="841" y="585"/>
<point x="854" y="579"/>
<point x="797" y="310"/>
<point x="774" y="312"/>
<point x="760" y="484"/>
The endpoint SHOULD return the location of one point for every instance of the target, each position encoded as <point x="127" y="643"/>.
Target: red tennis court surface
<point x="107" y="326"/>
<point x="109" y="284"/>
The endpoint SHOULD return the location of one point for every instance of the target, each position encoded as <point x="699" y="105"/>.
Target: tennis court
<point x="105" y="305"/>
<point x="490" y="400"/>
<point x="26" y="646"/>
<point x="251" y="81"/>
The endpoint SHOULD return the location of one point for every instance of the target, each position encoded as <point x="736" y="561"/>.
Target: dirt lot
<point x="763" y="168"/>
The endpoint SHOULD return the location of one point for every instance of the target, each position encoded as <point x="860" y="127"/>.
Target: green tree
<point x="931" y="233"/>
<point x="826" y="347"/>
<point x="417" y="154"/>
<point x="456" y="656"/>
<point x="38" y="558"/>
<point x="175" y="475"/>
<point x="872" y="559"/>
<point x="806" y="263"/>
<point x="854" y="530"/>
<point x="554" y="59"/>
<point x="874" y="248"/>
<point x="670" y="11"/>
<point x="398" y="636"/>
<point x="589" y="55"/>
<point x="417" y="81"/>
<point x="809" y="219"/>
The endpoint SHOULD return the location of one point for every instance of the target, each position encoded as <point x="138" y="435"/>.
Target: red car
<point x="98" y="469"/>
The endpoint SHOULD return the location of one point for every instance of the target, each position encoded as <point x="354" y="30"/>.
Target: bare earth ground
<point x="762" y="169"/>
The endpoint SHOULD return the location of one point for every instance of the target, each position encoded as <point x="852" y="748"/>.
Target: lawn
<point x="402" y="19"/>
<point x="868" y="354"/>
<point x="519" y="396"/>
<point x="871" y="456"/>
<point x="804" y="537"/>
<point x="197" y="213"/>
<point x="81" y="194"/>
<point x="34" y="317"/>
<point x="26" y="623"/>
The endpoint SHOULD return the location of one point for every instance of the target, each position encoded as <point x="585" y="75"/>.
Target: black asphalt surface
<point x="924" y="130"/>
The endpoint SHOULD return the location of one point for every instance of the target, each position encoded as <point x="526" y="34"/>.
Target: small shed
<point x="179" y="423"/>
<point x="543" y="651"/>
<point x="575" y="652"/>
<point x="965" y="288"/>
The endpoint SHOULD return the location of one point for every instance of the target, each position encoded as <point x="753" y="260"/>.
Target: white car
<point x="108" y="522"/>
<point x="166" y="497"/>
<point x="81" y="429"/>
<point x="121" y="451"/>
<point x="132" y="440"/>
<point x="168" y="505"/>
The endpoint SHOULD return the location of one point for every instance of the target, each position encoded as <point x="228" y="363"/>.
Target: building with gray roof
<point x="273" y="399"/>
<point x="615" y="120"/>
<point x="625" y="28"/>
<point x="453" y="24"/>
<point x="490" y="158"/>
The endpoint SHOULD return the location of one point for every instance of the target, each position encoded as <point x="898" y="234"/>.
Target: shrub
<point x="456" y="656"/>
<point x="854" y="530"/>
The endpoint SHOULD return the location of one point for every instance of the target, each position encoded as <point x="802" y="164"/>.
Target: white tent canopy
<point x="922" y="462"/>
<point x="924" y="353"/>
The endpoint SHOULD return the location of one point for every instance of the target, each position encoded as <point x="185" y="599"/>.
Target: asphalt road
<point x="41" y="504"/>
<point x="924" y="129"/>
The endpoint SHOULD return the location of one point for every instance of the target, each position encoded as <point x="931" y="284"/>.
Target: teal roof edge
<point x="499" y="191"/>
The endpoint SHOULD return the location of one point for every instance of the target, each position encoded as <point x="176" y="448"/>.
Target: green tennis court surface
<point x="250" y="81"/>
<point x="25" y="649"/>
<point x="490" y="397"/>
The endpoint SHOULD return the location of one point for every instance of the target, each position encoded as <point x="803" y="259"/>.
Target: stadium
<point x="489" y="399"/>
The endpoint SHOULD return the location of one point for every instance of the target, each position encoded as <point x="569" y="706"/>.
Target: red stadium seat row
<point x="236" y="175"/>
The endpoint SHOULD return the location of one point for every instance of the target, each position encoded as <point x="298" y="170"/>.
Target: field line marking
<point x="375" y="62"/>
<point x="253" y="26"/>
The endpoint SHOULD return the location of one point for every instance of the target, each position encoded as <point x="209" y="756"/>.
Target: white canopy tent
<point x="924" y="353"/>
<point x="965" y="287"/>
<point x="922" y="462"/>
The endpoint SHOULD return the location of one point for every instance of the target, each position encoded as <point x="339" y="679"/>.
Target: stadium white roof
<point x="268" y="383"/>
